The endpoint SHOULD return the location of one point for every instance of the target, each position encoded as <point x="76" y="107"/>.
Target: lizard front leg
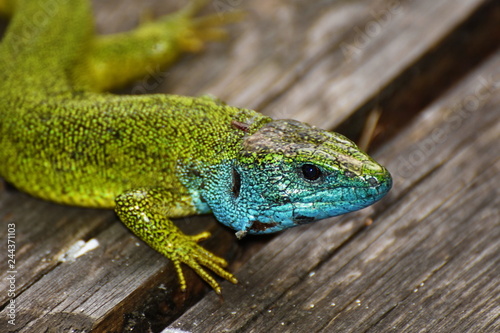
<point x="146" y="212"/>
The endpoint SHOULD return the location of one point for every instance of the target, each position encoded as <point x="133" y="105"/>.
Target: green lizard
<point x="157" y="157"/>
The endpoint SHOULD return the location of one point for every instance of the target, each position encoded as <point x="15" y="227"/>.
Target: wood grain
<point x="430" y="262"/>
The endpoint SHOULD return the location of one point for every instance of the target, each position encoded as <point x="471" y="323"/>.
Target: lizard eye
<point x="311" y="172"/>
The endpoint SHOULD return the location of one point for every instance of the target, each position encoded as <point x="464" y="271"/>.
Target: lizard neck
<point x="208" y="177"/>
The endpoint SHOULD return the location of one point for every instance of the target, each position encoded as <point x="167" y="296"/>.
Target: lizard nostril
<point x="349" y="174"/>
<point x="372" y="181"/>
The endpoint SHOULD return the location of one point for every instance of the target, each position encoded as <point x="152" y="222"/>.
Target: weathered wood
<point x="106" y="283"/>
<point x="288" y="61"/>
<point x="318" y="62"/>
<point x="431" y="260"/>
<point x="37" y="252"/>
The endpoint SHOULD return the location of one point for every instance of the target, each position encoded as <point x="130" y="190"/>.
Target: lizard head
<point x="289" y="173"/>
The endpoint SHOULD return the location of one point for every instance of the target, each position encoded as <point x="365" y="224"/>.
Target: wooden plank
<point x="107" y="282"/>
<point x="431" y="260"/>
<point x="37" y="251"/>
<point x="319" y="62"/>
<point x="258" y="68"/>
<point x="103" y="284"/>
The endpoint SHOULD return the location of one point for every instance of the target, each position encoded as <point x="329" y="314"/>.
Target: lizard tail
<point x="28" y="44"/>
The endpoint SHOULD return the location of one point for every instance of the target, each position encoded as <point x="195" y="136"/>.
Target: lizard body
<point x="157" y="157"/>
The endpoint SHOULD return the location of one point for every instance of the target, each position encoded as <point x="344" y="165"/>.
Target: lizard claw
<point x="199" y="30"/>
<point x="186" y="250"/>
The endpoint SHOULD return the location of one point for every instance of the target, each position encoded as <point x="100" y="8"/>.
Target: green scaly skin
<point x="157" y="157"/>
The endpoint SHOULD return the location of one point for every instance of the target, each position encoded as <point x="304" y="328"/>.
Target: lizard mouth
<point x="349" y="197"/>
<point x="316" y="208"/>
<point x="258" y="226"/>
<point x="303" y="219"/>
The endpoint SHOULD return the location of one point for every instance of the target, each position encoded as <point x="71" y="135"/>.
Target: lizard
<point x="156" y="157"/>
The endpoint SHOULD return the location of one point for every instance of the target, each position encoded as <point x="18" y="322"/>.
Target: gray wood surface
<point x="429" y="262"/>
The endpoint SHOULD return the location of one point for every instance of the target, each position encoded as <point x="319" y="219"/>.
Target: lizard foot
<point x="198" y="30"/>
<point x="185" y="249"/>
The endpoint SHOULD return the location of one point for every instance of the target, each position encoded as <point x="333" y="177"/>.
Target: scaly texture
<point x="157" y="157"/>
